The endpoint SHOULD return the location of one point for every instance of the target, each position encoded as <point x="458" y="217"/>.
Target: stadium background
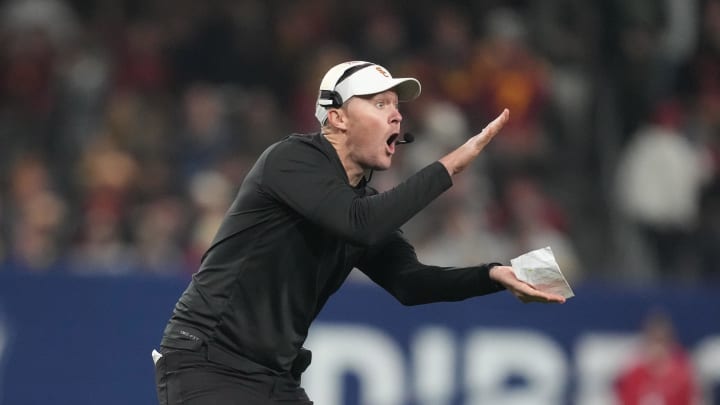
<point x="126" y="126"/>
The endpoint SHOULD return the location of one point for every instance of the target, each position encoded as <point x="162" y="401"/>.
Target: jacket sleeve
<point x="305" y="179"/>
<point x="395" y="267"/>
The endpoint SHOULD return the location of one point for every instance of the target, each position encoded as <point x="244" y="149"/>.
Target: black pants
<point x="188" y="378"/>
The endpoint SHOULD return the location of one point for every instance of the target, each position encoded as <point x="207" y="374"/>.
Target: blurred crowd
<point x="126" y="126"/>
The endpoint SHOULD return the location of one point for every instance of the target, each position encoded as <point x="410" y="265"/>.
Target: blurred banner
<point x="87" y="341"/>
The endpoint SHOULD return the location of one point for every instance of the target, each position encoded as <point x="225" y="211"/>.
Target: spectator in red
<point x="662" y="373"/>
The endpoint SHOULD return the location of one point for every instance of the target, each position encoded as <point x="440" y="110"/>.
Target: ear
<point x="337" y="118"/>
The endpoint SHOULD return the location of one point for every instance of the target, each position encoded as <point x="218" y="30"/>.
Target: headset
<point x="333" y="99"/>
<point x="330" y="99"/>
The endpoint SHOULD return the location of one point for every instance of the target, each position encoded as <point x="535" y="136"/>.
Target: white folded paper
<point x="539" y="269"/>
<point x="156" y="356"/>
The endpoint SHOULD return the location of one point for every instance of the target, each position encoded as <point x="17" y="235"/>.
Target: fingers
<point x="497" y="124"/>
<point x="489" y="132"/>
<point x="551" y="298"/>
<point x="527" y="293"/>
<point x="544" y="298"/>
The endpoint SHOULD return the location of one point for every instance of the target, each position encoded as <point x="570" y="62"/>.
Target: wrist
<point x="494" y="271"/>
<point x="449" y="166"/>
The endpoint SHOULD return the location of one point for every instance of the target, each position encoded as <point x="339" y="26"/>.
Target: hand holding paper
<point x="539" y="269"/>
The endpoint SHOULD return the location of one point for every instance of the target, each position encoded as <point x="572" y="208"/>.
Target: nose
<point x="395" y="116"/>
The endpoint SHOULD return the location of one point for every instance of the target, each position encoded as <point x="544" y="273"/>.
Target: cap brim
<point x="407" y="88"/>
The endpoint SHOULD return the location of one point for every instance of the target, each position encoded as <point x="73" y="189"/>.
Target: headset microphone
<point x="407" y="138"/>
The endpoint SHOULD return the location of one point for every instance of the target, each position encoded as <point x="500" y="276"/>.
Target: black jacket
<point x="291" y="237"/>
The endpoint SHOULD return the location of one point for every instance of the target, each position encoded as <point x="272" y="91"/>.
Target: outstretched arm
<point x="394" y="265"/>
<point x="303" y="177"/>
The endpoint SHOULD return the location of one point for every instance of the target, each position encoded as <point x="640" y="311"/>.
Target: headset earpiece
<point x="328" y="96"/>
<point x="330" y="99"/>
<point x="333" y="99"/>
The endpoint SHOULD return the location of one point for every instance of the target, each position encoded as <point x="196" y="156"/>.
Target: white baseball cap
<point x="360" y="78"/>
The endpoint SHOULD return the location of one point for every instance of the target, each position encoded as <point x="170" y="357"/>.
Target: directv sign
<point x="87" y="340"/>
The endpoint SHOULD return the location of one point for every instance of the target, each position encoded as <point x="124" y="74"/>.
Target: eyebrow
<point x="377" y="96"/>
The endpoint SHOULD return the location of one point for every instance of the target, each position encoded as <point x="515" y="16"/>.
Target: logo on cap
<point x="382" y="71"/>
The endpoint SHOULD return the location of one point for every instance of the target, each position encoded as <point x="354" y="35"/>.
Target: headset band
<point x="350" y="71"/>
<point x="331" y="98"/>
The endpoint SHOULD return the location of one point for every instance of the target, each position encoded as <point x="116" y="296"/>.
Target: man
<point x="303" y="218"/>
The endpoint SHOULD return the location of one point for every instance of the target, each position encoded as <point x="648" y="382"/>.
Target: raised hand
<point x="457" y="160"/>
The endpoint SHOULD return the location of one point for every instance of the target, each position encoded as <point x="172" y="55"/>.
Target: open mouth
<point x="392" y="138"/>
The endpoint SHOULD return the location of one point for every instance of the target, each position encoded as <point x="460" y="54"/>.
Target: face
<point x="373" y="128"/>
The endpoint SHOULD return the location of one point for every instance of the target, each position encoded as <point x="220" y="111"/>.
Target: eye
<point x="381" y="104"/>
